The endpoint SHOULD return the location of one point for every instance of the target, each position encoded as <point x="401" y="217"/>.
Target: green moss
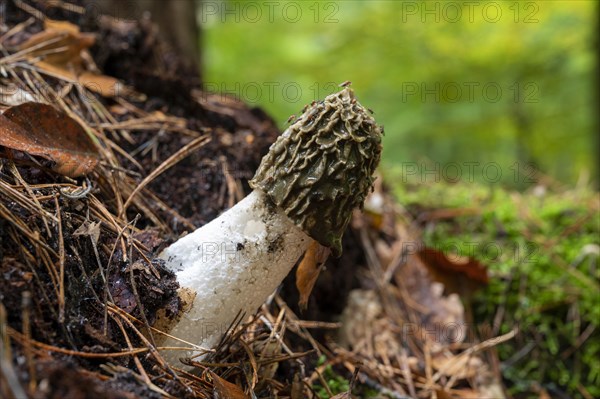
<point x="335" y="382"/>
<point x="533" y="246"/>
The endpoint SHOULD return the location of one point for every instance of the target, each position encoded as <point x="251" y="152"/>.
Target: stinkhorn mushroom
<point x="305" y="188"/>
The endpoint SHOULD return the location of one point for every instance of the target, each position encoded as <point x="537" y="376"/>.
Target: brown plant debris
<point x="39" y="129"/>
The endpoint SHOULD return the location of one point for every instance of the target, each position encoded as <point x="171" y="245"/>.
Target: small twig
<point x="88" y="282"/>
<point x="79" y="192"/>
<point x="136" y="359"/>
<point x="462" y="358"/>
<point x="107" y="294"/>
<point x="580" y="340"/>
<point x="17" y="175"/>
<point x="131" y="318"/>
<point x="7" y="370"/>
<point x="61" y="261"/>
<point x="134" y="285"/>
<point x="365" y="379"/>
<point x="322" y="379"/>
<point x="253" y="364"/>
<point x="407" y="374"/>
<point x="429" y="371"/>
<point x="91" y="355"/>
<point x="26" y="316"/>
<point x="169" y="162"/>
<point x="150" y="346"/>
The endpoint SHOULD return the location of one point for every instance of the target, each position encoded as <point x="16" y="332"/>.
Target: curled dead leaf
<point x="40" y="129"/>
<point x="59" y="43"/>
<point x="309" y="269"/>
<point x="89" y="229"/>
<point x="226" y="390"/>
<point x="459" y="274"/>
<point x="57" y="51"/>
<point x="106" y="86"/>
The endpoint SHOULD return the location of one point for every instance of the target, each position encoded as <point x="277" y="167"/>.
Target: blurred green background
<point x="474" y="91"/>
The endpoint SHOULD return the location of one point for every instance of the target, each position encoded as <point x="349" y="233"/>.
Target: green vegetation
<point x="489" y="81"/>
<point x="541" y="250"/>
<point x="335" y="382"/>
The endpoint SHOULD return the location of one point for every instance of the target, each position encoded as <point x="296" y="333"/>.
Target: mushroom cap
<point x="322" y="166"/>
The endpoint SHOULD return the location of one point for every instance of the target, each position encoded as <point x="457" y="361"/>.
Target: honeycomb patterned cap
<point x="322" y="166"/>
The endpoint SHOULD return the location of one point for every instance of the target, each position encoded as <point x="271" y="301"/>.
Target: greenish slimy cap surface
<point x="322" y="166"/>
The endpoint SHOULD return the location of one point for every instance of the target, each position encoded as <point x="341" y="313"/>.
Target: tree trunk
<point x="176" y="20"/>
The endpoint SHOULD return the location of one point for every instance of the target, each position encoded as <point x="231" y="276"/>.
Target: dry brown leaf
<point x="226" y="390"/>
<point x="459" y="274"/>
<point x="57" y="71"/>
<point x="89" y="229"/>
<point x="59" y="48"/>
<point x="53" y="24"/>
<point x="309" y="269"/>
<point x="59" y="43"/>
<point x="470" y="267"/>
<point x="39" y="129"/>
<point x="106" y="86"/>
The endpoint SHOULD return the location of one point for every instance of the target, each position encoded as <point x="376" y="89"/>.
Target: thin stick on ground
<point x="169" y="162"/>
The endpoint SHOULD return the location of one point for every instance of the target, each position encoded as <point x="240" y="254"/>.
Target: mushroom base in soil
<point x="233" y="264"/>
<point x="305" y="189"/>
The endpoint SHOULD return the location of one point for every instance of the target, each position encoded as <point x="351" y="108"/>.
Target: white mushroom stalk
<point x="306" y="187"/>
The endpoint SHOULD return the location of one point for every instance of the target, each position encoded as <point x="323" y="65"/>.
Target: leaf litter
<point x="40" y="129"/>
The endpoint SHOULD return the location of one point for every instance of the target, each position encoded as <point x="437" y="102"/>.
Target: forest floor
<point x="399" y="314"/>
